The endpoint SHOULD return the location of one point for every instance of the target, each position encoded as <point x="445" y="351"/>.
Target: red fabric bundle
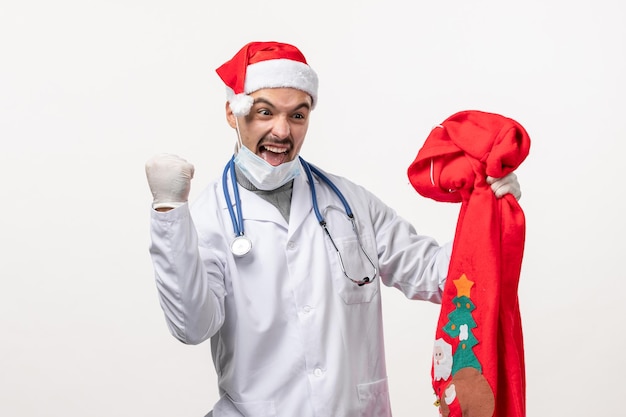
<point x="478" y="359"/>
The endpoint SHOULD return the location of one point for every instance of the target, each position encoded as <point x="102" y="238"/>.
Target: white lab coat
<point x="290" y="334"/>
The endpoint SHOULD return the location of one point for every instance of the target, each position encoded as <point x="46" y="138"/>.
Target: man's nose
<point x="281" y="128"/>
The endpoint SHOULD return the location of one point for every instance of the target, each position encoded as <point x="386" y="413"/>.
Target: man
<point x="273" y="267"/>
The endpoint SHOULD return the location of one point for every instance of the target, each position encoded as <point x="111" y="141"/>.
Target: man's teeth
<point x="274" y="150"/>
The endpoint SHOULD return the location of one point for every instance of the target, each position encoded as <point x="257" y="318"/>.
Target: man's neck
<point x="279" y="198"/>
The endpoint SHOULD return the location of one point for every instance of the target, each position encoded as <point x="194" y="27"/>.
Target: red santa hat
<point x="265" y="65"/>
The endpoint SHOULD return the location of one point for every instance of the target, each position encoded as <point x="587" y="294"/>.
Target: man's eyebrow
<point x="304" y="104"/>
<point x="262" y="100"/>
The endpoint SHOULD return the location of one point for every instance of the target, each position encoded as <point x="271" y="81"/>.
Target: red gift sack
<point x="478" y="357"/>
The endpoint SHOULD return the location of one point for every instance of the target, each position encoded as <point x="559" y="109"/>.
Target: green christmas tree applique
<point x="460" y="327"/>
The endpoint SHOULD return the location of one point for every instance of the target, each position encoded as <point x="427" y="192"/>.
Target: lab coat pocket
<point x="374" y="399"/>
<point x="226" y="407"/>
<point x="352" y="257"/>
<point x="349" y="262"/>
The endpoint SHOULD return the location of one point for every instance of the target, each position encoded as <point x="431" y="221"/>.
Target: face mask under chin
<point x="263" y="175"/>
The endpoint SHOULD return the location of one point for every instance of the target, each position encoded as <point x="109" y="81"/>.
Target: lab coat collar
<point x="256" y="208"/>
<point x="253" y="207"/>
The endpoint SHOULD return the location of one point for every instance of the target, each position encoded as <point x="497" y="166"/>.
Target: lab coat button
<point x="306" y="309"/>
<point x="318" y="372"/>
<point x="291" y="244"/>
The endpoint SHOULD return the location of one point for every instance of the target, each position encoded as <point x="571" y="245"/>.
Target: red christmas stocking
<point x="478" y="357"/>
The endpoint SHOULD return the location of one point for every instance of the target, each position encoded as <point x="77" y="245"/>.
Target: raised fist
<point x="169" y="178"/>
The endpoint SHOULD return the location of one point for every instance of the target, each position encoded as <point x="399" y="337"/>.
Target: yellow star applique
<point x="463" y="286"/>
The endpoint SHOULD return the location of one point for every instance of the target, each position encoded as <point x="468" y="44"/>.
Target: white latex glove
<point x="169" y="178"/>
<point x="505" y="185"/>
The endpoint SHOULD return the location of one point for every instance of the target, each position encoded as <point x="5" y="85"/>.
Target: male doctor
<point x="279" y="263"/>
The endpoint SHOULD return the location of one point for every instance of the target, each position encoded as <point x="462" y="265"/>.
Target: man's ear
<point x="230" y="117"/>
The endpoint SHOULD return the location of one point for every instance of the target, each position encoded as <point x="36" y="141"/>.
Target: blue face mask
<point x="262" y="174"/>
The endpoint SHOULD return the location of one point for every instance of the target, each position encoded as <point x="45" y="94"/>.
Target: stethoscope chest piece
<point x="240" y="246"/>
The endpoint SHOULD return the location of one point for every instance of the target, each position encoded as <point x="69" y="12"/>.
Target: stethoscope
<point x="242" y="245"/>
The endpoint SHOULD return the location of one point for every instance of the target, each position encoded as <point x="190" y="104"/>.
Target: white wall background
<point x="91" y="89"/>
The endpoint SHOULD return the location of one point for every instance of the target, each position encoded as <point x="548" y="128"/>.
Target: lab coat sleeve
<point x="191" y="298"/>
<point x="415" y="264"/>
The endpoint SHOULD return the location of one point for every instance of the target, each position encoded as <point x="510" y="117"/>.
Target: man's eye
<point x="264" y="112"/>
<point x="298" y="116"/>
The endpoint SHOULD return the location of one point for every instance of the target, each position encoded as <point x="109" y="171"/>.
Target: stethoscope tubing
<point x="308" y="168"/>
<point x="237" y="219"/>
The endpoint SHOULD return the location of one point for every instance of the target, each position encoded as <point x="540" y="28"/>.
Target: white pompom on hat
<point x="265" y="65"/>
